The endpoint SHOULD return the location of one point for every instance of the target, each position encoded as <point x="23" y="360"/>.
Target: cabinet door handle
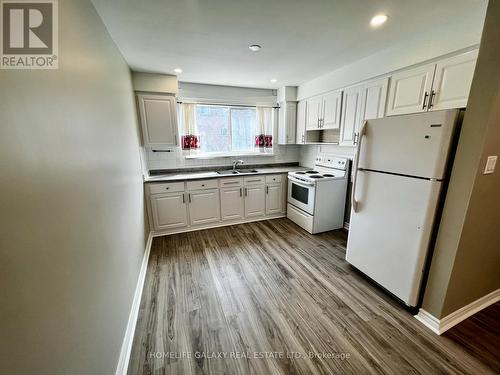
<point x="356" y="135"/>
<point x="241" y="192"/>
<point x="433" y="94"/>
<point x="189" y="197"/>
<point x="254" y="180"/>
<point x="183" y="198"/>
<point x="425" y="100"/>
<point x="246" y="192"/>
<point x="267" y="189"/>
<point x="231" y="182"/>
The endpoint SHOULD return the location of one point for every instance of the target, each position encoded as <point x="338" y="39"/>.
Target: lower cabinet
<point x="208" y="203"/>
<point x="232" y="203"/>
<point x="274" y="199"/>
<point x="204" y="206"/>
<point x="169" y="211"/>
<point x="255" y="201"/>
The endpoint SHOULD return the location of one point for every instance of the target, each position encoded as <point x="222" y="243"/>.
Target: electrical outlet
<point x="490" y="164"/>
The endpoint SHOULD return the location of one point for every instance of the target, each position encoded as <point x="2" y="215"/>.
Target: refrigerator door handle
<point x="361" y="133"/>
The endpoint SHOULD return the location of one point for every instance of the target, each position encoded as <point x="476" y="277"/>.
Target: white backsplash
<point x="176" y="159"/>
<point x="308" y="153"/>
<point x="304" y="154"/>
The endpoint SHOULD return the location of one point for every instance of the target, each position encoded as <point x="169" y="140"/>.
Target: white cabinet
<point x="255" y="201"/>
<point x="323" y="112"/>
<point x="187" y="205"/>
<point x="314" y="112"/>
<point x="409" y="90"/>
<point x="351" y="112"/>
<point x="452" y="81"/>
<point x="331" y="110"/>
<point x="360" y="103"/>
<point x="232" y="203"/>
<point x="204" y="206"/>
<point x="301" y="122"/>
<point x="432" y="87"/>
<point x="287" y="123"/>
<point x="374" y="98"/>
<point x="158" y="119"/>
<point x="169" y="211"/>
<point x="274" y="199"/>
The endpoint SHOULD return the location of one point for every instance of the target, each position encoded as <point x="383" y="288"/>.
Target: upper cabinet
<point x="361" y="102"/>
<point x="331" y="110"/>
<point x="409" y="90"/>
<point x="287" y="123"/>
<point x="323" y="112"/>
<point x="158" y="119"/>
<point x="452" y="81"/>
<point x="374" y="98"/>
<point x="351" y="112"/>
<point x="313" y="116"/>
<point x="432" y="87"/>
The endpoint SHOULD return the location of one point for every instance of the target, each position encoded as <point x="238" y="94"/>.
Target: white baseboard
<point x="428" y="320"/>
<point x="440" y="326"/>
<point x="122" y="367"/>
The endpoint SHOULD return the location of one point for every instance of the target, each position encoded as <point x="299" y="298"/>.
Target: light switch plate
<point x="490" y="164"/>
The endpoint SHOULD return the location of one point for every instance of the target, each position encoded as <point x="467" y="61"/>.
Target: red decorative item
<point x="263" y="141"/>
<point x="190" y="142"/>
<point x="268" y="141"/>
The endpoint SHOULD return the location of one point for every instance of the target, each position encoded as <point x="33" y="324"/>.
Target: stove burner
<point x="300" y="172"/>
<point x="312" y="172"/>
<point x="328" y="175"/>
<point x="316" y="176"/>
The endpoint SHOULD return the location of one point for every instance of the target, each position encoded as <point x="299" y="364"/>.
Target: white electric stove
<point x="316" y="197"/>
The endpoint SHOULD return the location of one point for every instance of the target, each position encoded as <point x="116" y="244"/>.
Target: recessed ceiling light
<point x="178" y="70"/>
<point x="274" y="80"/>
<point x="378" y="20"/>
<point x="255" y="47"/>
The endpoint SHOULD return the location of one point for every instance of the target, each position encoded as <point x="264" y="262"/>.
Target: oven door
<point x="301" y="194"/>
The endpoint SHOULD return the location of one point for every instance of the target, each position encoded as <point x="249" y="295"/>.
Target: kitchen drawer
<point x="300" y="218"/>
<point x="254" y="180"/>
<point x="230" y="182"/>
<point x="170" y="187"/>
<point x="273" y="178"/>
<point x="202" y="184"/>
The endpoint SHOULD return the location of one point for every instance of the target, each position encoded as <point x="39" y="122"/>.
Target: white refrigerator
<point x="399" y="169"/>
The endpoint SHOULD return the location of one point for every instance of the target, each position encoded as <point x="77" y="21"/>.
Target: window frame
<point x="255" y="152"/>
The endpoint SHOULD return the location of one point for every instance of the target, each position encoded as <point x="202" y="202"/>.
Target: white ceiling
<point x="300" y="40"/>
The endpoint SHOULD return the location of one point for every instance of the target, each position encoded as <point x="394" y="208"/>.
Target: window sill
<point x="227" y="155"/>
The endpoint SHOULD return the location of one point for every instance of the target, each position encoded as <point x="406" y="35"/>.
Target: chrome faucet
<point x="236" y="162"/>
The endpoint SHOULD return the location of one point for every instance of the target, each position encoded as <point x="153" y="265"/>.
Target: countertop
<point x="206" y="174"/>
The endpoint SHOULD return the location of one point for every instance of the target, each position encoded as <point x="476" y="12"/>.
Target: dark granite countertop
<point x="211" y="172"/>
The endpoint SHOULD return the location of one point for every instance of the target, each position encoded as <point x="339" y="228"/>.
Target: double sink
<point x="237" y="171"/>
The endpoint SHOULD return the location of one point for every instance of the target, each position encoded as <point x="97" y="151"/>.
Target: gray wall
<point x="467" y="258"/>
<point x="72" y="230"/>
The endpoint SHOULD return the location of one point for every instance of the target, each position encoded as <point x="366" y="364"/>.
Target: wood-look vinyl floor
<point x="480" y="335"/>
<point x="269" y="298"/>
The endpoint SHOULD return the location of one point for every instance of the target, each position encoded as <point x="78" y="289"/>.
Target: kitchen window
<point x="219" y="130"/>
